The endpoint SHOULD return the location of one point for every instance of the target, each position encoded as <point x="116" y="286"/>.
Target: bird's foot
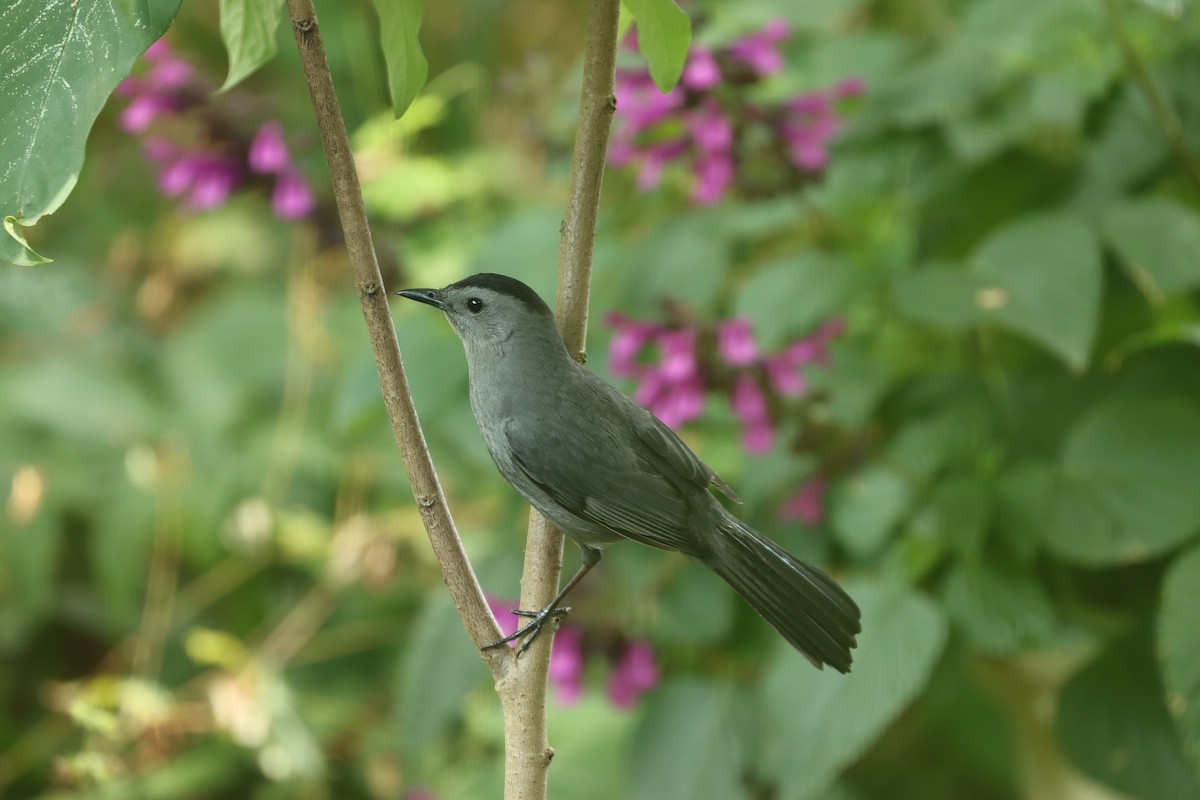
<point x="538" y="620"/>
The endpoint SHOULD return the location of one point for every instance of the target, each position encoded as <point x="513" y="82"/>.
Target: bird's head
<point x="488" y="310"/>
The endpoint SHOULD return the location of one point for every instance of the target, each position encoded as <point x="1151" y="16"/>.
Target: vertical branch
<point x="464" y="588"/>
<point x="523" y="694"/>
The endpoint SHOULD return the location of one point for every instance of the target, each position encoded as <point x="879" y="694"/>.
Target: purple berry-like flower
<point x="268" y="153"/>
<point x="807" y="504"/>
<point x="292" y="198"/>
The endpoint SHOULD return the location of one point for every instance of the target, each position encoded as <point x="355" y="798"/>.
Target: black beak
<point x="430" y="297"/>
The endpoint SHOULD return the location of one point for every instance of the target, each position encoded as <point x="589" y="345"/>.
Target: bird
<point x="603" y="469"/>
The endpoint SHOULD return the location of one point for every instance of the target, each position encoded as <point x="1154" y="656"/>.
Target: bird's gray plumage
<point x="602" y="468"/>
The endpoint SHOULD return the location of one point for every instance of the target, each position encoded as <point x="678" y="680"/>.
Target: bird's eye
<point x="474" y="305"/>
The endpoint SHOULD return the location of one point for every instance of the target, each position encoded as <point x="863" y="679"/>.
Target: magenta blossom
<point x="268" y="151"/>
<point x="735" y="342"/>
<point x="760" y="51"/>
<point x="807" y="504"/>
<point x="292" y="199"/>
<point x="635" y="674"/>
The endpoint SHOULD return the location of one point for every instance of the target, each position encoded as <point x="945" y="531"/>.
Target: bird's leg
<point x="590" y="557"/>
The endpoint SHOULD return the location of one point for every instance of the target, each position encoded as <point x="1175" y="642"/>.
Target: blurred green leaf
<point x="399" y="26"/>
<point x="962" y="513"/>
<point x="439" y="669"/>
<point x="1179" y="650"/>
<point x="693" y="607"/>
<point x="1158" y="241"/>
<point x="788" y="298"/>
<point x="1127" y="481"/>
<point x="55" y="76"/>
<point x="940" y="296"/>
<point x="664" y="35"/>
<point x="818" y="722"/>
<point x="1041" y="277"/>
<point x="1113" y="725"/>
<point x="998" y="610"/>
<point x="868" y="506"/>
<point x="248" y="31"/>
<point x="687" y="744"/>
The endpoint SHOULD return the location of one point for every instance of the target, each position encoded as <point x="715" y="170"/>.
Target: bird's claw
<point x="538" y="620"/>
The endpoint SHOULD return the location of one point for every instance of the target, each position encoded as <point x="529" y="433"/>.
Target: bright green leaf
<point x="1127" y="486"/>
<point x="1159" y="243"/>
<point x="664" y="35"/>
<point x="400" y="22"/>
<point x="818" y="722"/>
<point x="248" y="31"/>
<point x="687" y="744"/>
<point x="1114" y="726"/>
<point x="1041" y="277"/>
<point x="55" y="76"/>
<point x="1179" y="650"/>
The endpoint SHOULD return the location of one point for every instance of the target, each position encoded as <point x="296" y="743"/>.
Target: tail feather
<point x="800" y="601"/>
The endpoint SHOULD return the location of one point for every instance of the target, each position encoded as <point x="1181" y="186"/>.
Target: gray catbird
<point x="602" y="468"/>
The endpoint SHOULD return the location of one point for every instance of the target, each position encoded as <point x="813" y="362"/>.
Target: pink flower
<point x="711" y="131"/>
<point x="679" y="353"/>
<point x="680" y="402"/>
<point x="628" y="342"/>
<point x="701" y="71"/>
<point x="807" y="504"/>
<point x="142" y="110"/>
<point x="854" y="86"/>
<point x="713" y="176"/>
<point x="735" y="342"/>
<point x="759" y="50"/>
<point x="177" y="176"/>
<point x="268" y="151"/>
<point x="212" y="183"/>
<point x="635" y="674"/>
<point x="785" y="376"/>
<point x="758" y="436"/>
<point x="292" y="199"/>
<point x="747" y="399"/>
<point x="566" y="665"/>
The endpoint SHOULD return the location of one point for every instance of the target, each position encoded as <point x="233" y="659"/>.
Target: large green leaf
<point x="58" y="65"/>
<point x="400" y="22"/>
<point x="1113" y="724"/>
<point x="1128" y="481"/>
<point x="818" y="722"/>
<point x="248" y="31"/>
<point x="664" y="35"/>
<point x="687" y="744"/>
<point x="1159" y="243"/>
<point x="1179" y="650"/>
<point x="1041" y="277"/>
<point x="998" y="610"/>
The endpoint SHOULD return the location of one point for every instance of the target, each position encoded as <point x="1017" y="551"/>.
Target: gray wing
<point x="605" y="473"/>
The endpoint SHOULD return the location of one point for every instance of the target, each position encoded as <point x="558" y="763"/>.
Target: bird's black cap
<point x="503" y="284"/>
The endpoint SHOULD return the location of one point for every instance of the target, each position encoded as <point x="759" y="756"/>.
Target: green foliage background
<point x="213" y="580"/>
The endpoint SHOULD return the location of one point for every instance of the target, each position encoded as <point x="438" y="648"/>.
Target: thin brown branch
<point x="1164" y="115"/>
<point x="527" y="752"/>
<point x="447" y="547"/>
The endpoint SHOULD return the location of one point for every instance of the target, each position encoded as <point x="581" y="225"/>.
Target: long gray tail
<point x="800" y="601"/>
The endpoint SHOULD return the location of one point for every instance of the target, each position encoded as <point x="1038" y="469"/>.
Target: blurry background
<point x="917" y="278"/>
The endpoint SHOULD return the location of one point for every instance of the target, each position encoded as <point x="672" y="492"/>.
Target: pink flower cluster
<point x="205" y="176"/>
<point x="698" y="122"/>
<point x="674" y="388"/>
<point x="635" y="671"/>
